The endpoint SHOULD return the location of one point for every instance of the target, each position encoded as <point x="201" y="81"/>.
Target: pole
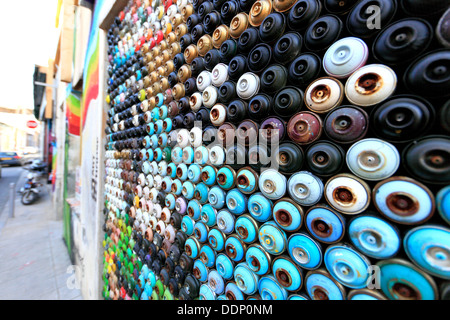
<point x="12" y="189"/>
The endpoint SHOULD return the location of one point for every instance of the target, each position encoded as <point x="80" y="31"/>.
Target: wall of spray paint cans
<point x="278" y="150"/>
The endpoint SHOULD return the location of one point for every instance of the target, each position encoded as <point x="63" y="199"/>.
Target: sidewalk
<point x="33" y="255"/>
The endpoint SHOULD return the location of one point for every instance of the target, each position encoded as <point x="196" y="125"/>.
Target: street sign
<point x="32" y="124"/>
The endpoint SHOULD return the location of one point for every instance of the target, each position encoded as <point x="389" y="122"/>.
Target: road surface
<point x="9" y="174"/>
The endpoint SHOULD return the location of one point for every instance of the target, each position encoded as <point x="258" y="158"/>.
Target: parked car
<point x="28" y="157"/>
<point x="0" y="170"/>
<point x="10" y="158"/>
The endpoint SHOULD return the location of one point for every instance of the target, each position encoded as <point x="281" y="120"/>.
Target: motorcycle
<point x="30" y="192"/>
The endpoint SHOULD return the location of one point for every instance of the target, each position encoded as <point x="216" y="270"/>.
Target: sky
<point x="29" y="37"/>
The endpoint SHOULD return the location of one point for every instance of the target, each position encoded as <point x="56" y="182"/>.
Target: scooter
<point x="31" y="190"/>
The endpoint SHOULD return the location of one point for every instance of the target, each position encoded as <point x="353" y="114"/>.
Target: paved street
<point x="9" y="174"/>
<point x="35" y="264"/>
